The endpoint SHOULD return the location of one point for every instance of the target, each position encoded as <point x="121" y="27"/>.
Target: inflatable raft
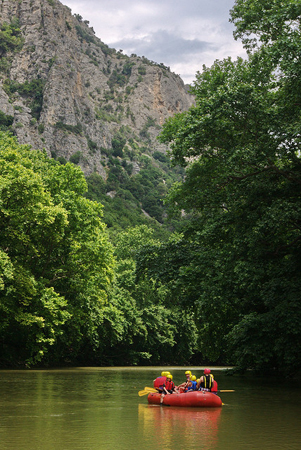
<point x="192" y="398"/>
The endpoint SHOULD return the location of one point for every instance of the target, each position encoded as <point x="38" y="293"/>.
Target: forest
<point x="220" y="282"/>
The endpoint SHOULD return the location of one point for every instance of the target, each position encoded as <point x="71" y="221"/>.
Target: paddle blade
<point x="149" y="389"/>
<point x="140" y="393"/>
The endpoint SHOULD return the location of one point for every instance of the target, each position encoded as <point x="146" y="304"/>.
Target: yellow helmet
<point x="193" y="378"/>
<point x="198" y="380"/>
<point x="164" y="373"/>
<point x="188" y="372"/>
<point x="169" y="376"/>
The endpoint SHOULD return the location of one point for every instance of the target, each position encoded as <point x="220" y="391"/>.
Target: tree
<point x="140" y="323"/>
<point x="55" y="259"/>
<point x="10" y="37"/>
<point x="240" y="145"/>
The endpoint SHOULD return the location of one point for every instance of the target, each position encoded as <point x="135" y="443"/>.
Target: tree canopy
<point x="226" y="287"/>
<point x="56" y="260"/>
<point x="67" y="296"/>
<point x="240" y="145"/>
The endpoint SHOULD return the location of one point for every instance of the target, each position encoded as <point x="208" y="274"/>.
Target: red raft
<point x="192" y="398"/>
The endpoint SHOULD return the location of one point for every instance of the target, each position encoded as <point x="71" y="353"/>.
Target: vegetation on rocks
<point x="10" y="37"/>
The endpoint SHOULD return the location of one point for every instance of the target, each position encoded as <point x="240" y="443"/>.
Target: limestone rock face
<point x="71" y="94"/>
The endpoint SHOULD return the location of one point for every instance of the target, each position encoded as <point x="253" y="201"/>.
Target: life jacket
<point x="160" y="382"/>
<point x="169" y="385"/>
<point x="214" y="387"/>
<point x="207" y="381"/>
<point x="193" y="386"/>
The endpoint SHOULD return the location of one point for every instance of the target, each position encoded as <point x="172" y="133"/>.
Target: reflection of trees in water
<point x="184" y="426"/>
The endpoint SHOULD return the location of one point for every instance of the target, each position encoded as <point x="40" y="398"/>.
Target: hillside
<point x="64" y="90"/>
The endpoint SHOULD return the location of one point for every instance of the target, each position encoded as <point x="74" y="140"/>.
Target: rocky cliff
<point x="63" y="89"/>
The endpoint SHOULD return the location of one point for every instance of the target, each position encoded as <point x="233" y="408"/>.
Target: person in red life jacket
<point x="207" y="382"/>
<point x="164" y="385"/>
<point x="170" y="386"/>
<point x="184" y="385"/>
<point x="160" y="382"/>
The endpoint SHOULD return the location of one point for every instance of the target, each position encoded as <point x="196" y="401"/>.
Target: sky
<point x="181" y="34"/>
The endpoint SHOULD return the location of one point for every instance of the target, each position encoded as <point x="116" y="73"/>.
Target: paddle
<point x="147" y="390"/>
<point x="140" y="393"/>
<point x="219" y="390"/>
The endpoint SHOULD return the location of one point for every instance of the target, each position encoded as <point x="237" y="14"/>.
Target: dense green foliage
<point x="10" y="37"/>
<point x="32" y="91"/>
<point x="133" y="191"/>
<point x="11" y="40"/>
<point x="65" y="298"/>
<point x="226" y="286"/>
<point x="140" y="326"/>
<point x="242" y="193"/>
<point x="56" y="261"/>
<point x="6" y="121"/>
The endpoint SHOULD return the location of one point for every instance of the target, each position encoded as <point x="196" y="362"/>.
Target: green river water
<point x="99" y="409"/>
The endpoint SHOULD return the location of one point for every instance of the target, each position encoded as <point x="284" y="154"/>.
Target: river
<point x="99" y="409"/>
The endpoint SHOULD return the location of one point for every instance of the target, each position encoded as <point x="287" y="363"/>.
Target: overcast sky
<point x="181" y="34"/>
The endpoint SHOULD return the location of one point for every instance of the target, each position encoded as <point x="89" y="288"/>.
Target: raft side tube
<point x="187" y="399"/>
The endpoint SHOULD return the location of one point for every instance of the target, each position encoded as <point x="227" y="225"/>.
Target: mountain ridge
<point x="69" y="93"/>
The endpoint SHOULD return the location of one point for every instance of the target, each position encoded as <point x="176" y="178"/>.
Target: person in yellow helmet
<point x="170" y="385"/>
<point x="184" y="385"/>
<point x="192" y="385"/>
<point x="159" y="382"/>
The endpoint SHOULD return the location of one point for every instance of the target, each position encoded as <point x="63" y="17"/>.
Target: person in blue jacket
<point x="192" y="385"/>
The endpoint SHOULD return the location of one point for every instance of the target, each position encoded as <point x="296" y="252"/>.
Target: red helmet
<point x="207" y="371"/>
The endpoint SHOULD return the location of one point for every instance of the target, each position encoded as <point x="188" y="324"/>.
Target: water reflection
<point x="192" y="427"/>
<point x="99" y="409"/>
